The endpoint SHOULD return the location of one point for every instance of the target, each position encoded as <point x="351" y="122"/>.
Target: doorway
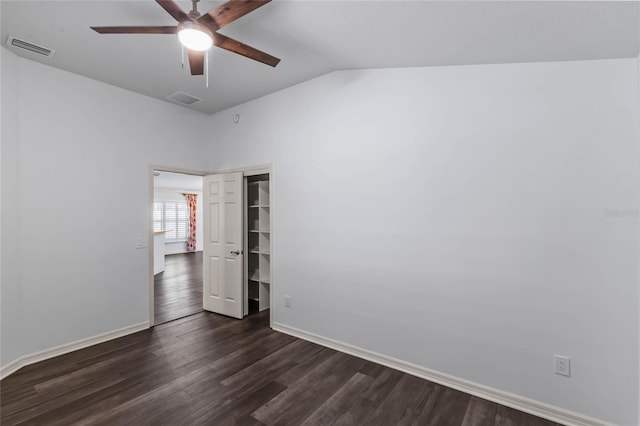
<point x="177" y="245"/>
<point x="202" y="278"/>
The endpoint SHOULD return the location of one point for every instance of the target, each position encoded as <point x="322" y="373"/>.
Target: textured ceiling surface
<point x="316" y="37"/>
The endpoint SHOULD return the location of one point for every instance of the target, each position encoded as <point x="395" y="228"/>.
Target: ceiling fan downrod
<point x="194" y="14"/>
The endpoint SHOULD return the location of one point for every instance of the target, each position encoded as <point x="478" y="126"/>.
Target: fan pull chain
<point x="206" y="67"/>
<point x="182" y="45"/>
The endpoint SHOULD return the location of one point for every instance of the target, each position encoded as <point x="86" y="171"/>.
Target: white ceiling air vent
<point x="183" y="98"/>
<point x="25" y="45"/>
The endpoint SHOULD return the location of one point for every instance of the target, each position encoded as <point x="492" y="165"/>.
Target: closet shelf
<point x="262" y="252"/>
<point x="258" y="237"/>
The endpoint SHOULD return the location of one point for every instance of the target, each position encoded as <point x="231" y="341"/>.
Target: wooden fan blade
<point x="232" y="10"/>
<point x="209" y="22"/>
<point x="135" y="30"/>
<point x="196" y="62"/>
<point x="235" y="46"/>
<point x="174" y="10"/>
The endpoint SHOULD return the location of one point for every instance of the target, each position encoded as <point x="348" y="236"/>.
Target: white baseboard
<point x="521" y="403"/>
<point x="24" y="360"/>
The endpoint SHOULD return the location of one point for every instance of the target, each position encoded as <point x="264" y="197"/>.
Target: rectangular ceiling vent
<point x="31" y="47"/>
<point x="183" y="98"/>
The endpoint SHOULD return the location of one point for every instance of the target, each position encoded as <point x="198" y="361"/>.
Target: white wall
<point x="10" y="289"/>
<point x="453" y="217"/>
<point x="426" y="214"/>
<point x="166" y="194"/>
<point x="82" y="274"/>
<point x="638" y="91"/>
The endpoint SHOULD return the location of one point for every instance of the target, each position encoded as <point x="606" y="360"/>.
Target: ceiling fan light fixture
<point x="195" y="36"/>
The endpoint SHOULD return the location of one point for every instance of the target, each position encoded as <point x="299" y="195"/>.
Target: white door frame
<point x="252" y="171"/>
<point x="152" y="168"/>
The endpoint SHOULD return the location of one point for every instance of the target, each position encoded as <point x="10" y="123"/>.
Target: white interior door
<point x="223" y="251"/>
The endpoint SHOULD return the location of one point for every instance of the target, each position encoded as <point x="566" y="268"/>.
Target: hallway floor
<point x="178" y="290"/>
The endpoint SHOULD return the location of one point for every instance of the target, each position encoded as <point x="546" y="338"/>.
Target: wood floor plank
<point x="421" y="412"/>
<point x="66" y="386"/>
<point x="358" y="413"/>
<point x="327" y="378"/>
<point x="422" y="416"/>
<point x="241" y="403"/>
<point x="480" y="412"/>
<point x="372" y="369"/>
<point x="210" y="369"/>
<point x="149" y="409"/>
<point x="450" y="409"/>
<point x="269" y="363"/>
<point x="307" y="362"/>
<point x="103" y="401"/>
<point x="404" y="402"/>
<point x="338" y="403"/>
<point x="506" y="416"/>
<point x="387" y="379"/>
<point x="38" y="407"/>
<point x="178" y="289"/>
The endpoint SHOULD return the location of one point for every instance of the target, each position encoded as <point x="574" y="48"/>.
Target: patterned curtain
<point x="191" y="200"/>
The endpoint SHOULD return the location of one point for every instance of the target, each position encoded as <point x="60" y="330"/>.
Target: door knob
<point x="236" y="252"/>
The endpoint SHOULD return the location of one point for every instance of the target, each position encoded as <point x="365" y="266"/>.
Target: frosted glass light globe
<point x="194" y="36"/>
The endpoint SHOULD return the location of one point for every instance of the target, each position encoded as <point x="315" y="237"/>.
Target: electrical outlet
<point x="562" y="365"/>
<point x="287" y="301"/>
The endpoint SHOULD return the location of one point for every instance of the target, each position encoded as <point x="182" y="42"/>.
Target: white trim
<point x="25" y="360"/>
<point x="247" y="171"/>
<point x="272" y="267"/>
<point x="521" y="403"/>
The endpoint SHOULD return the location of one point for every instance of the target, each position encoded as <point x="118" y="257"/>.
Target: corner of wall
<point x="10" y="247"/>
<point x="638" y="142"/>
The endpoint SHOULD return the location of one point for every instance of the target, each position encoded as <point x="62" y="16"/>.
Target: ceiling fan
<point x="198" y="32"/>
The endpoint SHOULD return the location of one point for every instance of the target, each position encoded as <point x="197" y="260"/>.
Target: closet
<point x="258" y="244"/>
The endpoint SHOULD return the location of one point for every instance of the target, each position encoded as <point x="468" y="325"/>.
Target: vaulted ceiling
<point x="316" y="37"/>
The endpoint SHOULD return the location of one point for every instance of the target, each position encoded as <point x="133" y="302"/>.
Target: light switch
<point x="141" y="242"/>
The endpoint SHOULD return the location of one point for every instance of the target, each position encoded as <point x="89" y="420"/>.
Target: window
<point x="172" y="216"/>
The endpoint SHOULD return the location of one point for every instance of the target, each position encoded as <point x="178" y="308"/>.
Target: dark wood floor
<point x="178" y="290"/>
<point x="210" y="369"/>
